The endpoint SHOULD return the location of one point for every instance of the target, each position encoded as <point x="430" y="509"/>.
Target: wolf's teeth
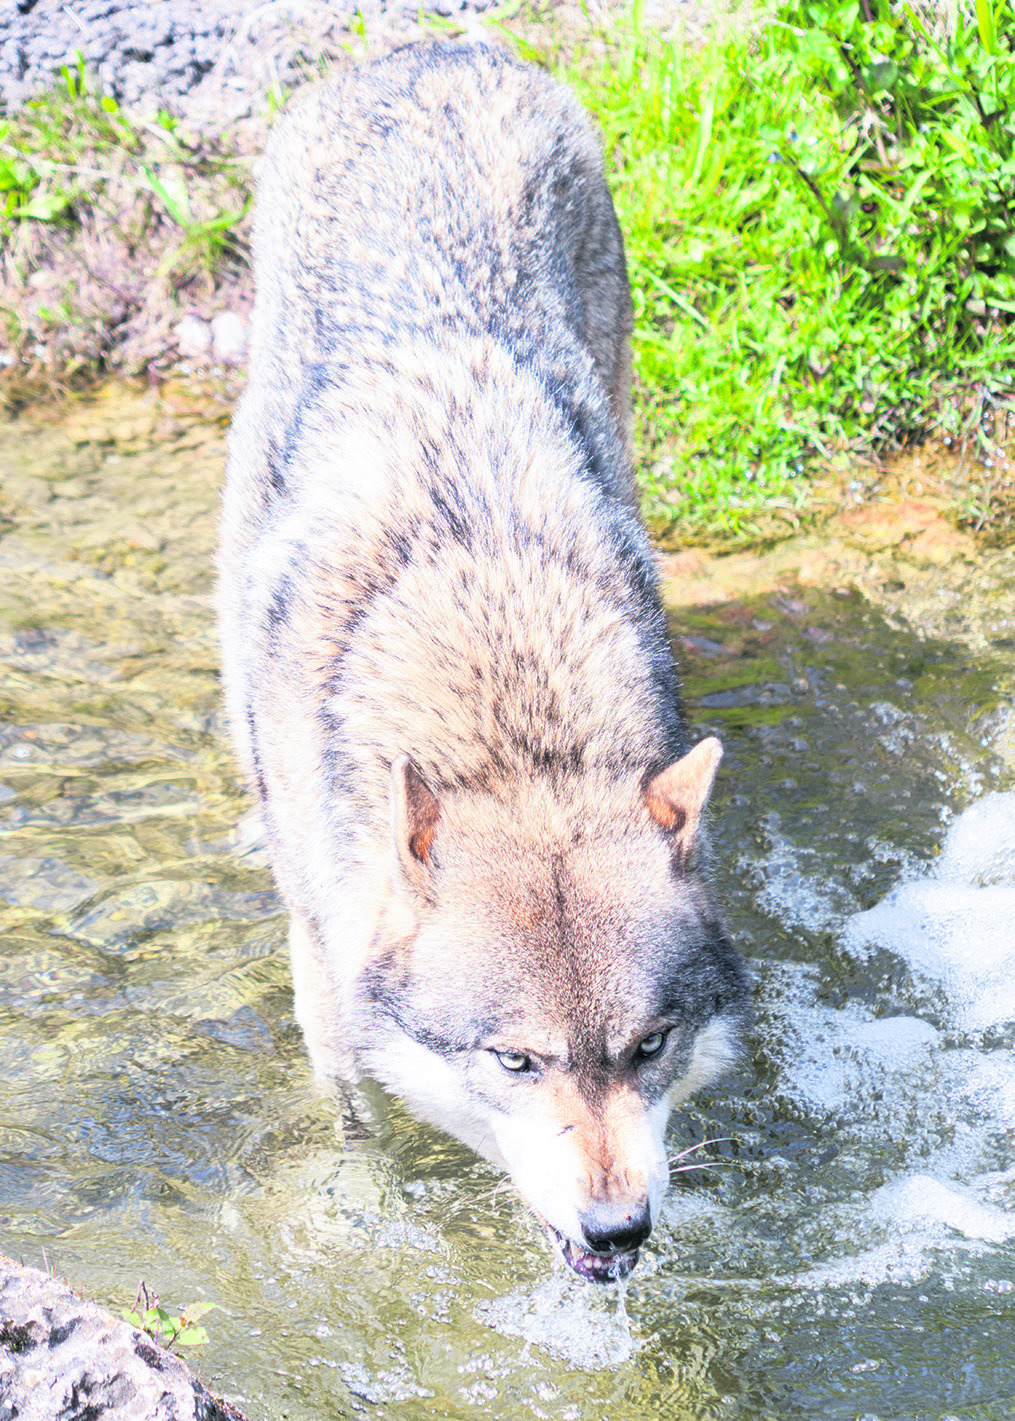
<point x="595" y="1267"/>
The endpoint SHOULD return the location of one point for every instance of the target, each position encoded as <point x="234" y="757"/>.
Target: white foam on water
<point x="956" y="926"/>
<point x="918" y="1215"/>
<point x="923" y="1204"/>
<point x="587" y="1326"/>
<point x="896" y="1089"/>
<point x="999" y="1183"/>
<point x="980" y="848"/>
<point x="829" y="1057"/>
<point x="902" y="1260"/>
<point x="392" y="1384"/>
<point x="877" y="1078"/>
<point x="789" y="889"/>
<point x="982" y="1085"/>
<point x="844" y="1054"/>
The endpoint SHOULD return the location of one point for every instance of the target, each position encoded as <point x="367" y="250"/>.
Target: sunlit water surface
<point x="853" y="1255"/>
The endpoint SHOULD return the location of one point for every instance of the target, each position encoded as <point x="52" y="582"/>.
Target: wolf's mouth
<point x="593" y="1267"/>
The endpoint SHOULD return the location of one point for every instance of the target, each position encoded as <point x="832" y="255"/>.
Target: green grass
<point x="74" y="150"/>
<point x="818" y="209"/>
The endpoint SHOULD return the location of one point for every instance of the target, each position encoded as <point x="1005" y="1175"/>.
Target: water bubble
<point x="588" y="1329"/>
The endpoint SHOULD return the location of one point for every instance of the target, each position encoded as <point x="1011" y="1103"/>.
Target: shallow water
<point x="852" y="1256"/>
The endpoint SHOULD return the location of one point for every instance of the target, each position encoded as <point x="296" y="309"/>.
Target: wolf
<point x="446" y="664"/>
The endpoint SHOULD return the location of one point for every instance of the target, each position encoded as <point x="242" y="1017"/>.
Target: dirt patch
<point x="108" y="294"/>
<point x="904" y="555"/>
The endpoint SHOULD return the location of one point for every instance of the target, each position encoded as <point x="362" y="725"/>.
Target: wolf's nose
<point x="617" y="1234"/>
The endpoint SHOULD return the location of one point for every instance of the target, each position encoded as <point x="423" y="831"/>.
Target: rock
<point x="62" y="1359"/>
<point x="214" y="60"/>
<point x="229" y="337"/>
<point x="193" y="337"/>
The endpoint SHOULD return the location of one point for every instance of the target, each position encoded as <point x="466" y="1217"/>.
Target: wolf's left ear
<point x="415" y="810"/>
<point x="677" y="796"/>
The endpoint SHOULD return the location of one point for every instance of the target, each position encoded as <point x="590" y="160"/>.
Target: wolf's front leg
<point x="317" y="1004"/>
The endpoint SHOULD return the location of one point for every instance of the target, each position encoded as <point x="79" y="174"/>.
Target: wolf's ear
<point x="677" y="796"/>
<point x="415" y="810"/>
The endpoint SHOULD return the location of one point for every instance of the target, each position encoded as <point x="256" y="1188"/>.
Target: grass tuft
<point x="818" y="209"/>
<point x="110" y="224"/>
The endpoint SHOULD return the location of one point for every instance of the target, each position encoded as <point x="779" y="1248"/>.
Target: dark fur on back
<point x="444" y="261"/>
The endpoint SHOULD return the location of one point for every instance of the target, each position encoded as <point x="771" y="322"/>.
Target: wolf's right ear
<point x="677" y="796"/>
<point x="415" y="810"/>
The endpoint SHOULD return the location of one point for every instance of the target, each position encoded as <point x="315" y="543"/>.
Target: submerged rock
<point x="63" y="1359"/>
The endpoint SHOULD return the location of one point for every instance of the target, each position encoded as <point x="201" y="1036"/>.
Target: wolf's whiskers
<point x="503" y="1186"/>
<point x="677" y="1168"/>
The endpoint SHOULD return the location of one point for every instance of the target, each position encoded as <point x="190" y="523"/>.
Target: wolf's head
<point x="553" y="979"/>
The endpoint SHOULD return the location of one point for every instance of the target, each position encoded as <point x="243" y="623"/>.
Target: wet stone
<point x="132" y="914"/>
<point x="63" y="1358"/>
<point x="43" y="883"/>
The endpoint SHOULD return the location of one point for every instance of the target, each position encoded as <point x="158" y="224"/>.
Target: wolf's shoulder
<point x="433" y="75"/>
<point x="450" y="97"/>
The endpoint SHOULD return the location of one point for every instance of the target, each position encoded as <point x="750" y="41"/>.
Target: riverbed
<point x="850" y="1251"/>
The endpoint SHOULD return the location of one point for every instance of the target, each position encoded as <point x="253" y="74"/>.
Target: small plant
<point x="20" y="181"/>
<point x="49" y="150"/>
<point x="207" y="239"/>
<point x="168" y="1331"/>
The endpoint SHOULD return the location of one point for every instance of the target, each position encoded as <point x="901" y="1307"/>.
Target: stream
<point x="850" y="1252"/>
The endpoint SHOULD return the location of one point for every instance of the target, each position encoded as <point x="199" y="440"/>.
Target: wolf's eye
<point x="513" y="1060"/>
<point x="650" y="1046"/>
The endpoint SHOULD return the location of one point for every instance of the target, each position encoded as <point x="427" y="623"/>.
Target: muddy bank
<point x="903" y="555"/>
<point x="897" y="546"/>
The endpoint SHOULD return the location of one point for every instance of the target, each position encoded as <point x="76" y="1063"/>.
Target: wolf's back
<point x="446" y="190"/>
<point x="431" y="457"/>
<point x="447" y="666"/>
